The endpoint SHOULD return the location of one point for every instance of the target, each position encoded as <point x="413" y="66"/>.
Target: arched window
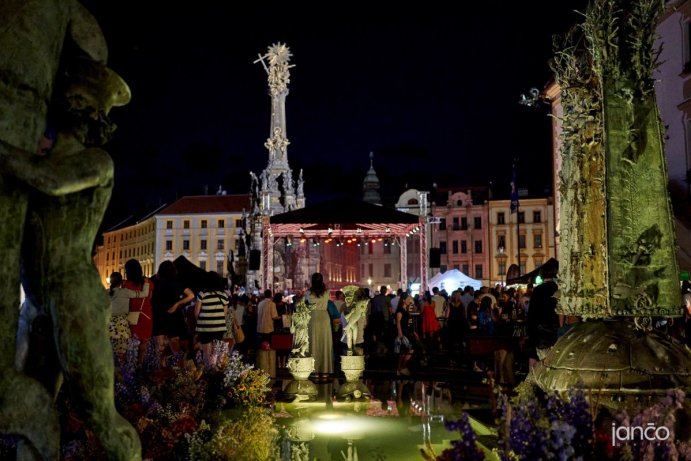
<point x="412" y="201"/>
<point x="459" y="202"/>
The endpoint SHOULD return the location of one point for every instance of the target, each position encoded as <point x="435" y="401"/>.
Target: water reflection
<point x="394" y="424"/>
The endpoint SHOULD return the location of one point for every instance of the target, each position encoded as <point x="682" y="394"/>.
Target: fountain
<point x="618" y="269"/>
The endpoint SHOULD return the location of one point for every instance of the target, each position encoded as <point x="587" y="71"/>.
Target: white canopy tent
<point x="452" y="280"/>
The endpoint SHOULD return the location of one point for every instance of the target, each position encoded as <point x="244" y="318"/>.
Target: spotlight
<point x="388" y="229"/>
<point x="315" y="242"/>
<point x="289" y="241"/>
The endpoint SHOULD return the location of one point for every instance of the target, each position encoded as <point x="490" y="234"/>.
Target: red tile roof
<point x="199" y="204"/>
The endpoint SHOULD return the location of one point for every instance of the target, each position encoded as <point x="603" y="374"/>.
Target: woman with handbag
<point x="140" y="308"/>
<point x="119" y="328"/>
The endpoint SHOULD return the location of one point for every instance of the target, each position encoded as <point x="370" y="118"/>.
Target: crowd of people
<point x="397" y="325"/>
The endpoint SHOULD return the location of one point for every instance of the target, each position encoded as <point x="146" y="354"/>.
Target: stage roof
<point x="344" y="217"/>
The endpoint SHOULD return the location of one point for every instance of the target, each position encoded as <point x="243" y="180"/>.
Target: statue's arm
<point x="89" y="168"/>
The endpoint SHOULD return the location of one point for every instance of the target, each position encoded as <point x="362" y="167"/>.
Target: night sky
<point x="431" y="91"/>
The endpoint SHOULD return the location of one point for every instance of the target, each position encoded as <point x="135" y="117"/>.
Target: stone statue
<point x="254" y="185"/>
<point x="356" y="305"/>
<point x="62" y="197"/>
<point x="299" y="329"/>
<point x="301" y="185"/>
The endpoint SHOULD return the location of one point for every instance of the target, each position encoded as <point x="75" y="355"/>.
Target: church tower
<point x="370" y="186"/>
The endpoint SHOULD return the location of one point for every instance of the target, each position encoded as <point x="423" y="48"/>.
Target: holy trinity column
<point x="275" y="191"/>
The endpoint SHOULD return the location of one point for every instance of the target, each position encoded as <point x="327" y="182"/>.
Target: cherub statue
<point x="356" y="305"/>
<point x="299" y="329"/>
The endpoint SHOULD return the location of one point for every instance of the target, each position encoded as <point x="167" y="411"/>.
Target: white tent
<point x="452" y="280"/>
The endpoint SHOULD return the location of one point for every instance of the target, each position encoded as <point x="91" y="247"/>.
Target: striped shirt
<point x="212" y="317"/>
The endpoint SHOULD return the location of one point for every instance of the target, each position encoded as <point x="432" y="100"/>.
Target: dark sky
<point x="432" y="90"/>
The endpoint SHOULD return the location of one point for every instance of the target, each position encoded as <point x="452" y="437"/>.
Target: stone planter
<point x="301" y="367"/>
<point x="352" y="367"/>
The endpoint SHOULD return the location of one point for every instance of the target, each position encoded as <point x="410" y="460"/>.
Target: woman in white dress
<point x="320" y="336"/>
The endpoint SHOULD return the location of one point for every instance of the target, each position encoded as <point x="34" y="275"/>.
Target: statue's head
<point x="353" y="295"/>
<point x="87" y="91"/>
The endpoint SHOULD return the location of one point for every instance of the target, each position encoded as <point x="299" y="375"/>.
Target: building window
<point x="238" y="223"/>
<point x="387" y="249"/>
<point x="186" y="224"/>
<point x="538" y="241"/>
<point x="465" y="269"/>
<point x="464" y="247"/>
<point x="478" y="271"/>
<point x="521" y="243"/>
<point x="202" y="244"/>
<point x="521" y="217"/>
<point x="387" y="270"/>
<point x="454" y="247"/>
<point x="202" y="264"/>
<point x="221" y="223"/>
<point x="538" y="263"/>
<point x="456" y="225"/>
<point x="442" y="268"/>
<point x="522" y="268"/>
<point x="477" y="222"/>
<point x="219" y="267"/>
<point x="412" y="201"/>
<point x="459" y="202"/>
<point x="169" y="224"/>
<point x="464" y="223"/>
<point x="502" y="267"/>
<point x="442" y="247"/>
<point x="457" y="267"/>
<point x="442" y="224"/>
<point x="502" y="241"/>
<point x="204" y="223"/>
<point x="537" y="216"/>
<point x="186" y="244"/>
<point x="478" y="246"/>
<point x="500" y="218"/>
<point x="370" y="269"/>
<point x="370" y="247"/>
<point x="220" y="245"/>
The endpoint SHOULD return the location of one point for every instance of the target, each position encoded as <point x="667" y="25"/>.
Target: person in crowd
<point x="339" y="302"/>
<point x="379" y="315"/>
<point x="439" y="303"/>
<point x="211" y="311"/>
<point x="320" y="327"/>
<point x="473" y="309"/>
<point x="267" y="313"/>
<point x="430" y="324"/>
<point x="119" y="328"/>
<point x="455" y="322"/>
<point x="135" y="280"/>
<point x="281" y="309"/>
<point x="169" y="301"/>
<point x="467" y="297"/>
<point x="543" y="322"/>
<point x="405" y="335"/>
<point x="485" y="322"/>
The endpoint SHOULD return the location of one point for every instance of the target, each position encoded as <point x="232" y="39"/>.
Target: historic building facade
<point x="204" y="229"/>
<point x="524" y="237"/>
<point x="460" y="233"/>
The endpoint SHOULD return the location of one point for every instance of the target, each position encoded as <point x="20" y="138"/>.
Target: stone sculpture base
<point x="352" y="367"/>
<point x="618" y="366"/>
<point x="301" y="388"/>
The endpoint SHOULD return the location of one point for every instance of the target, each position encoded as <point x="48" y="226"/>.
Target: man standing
<point x="439" y="303"/>
<point x="379" y="316"/>
<point x="266" y="314"/>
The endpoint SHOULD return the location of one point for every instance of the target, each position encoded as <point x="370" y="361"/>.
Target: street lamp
<point x="501" y="260"/>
